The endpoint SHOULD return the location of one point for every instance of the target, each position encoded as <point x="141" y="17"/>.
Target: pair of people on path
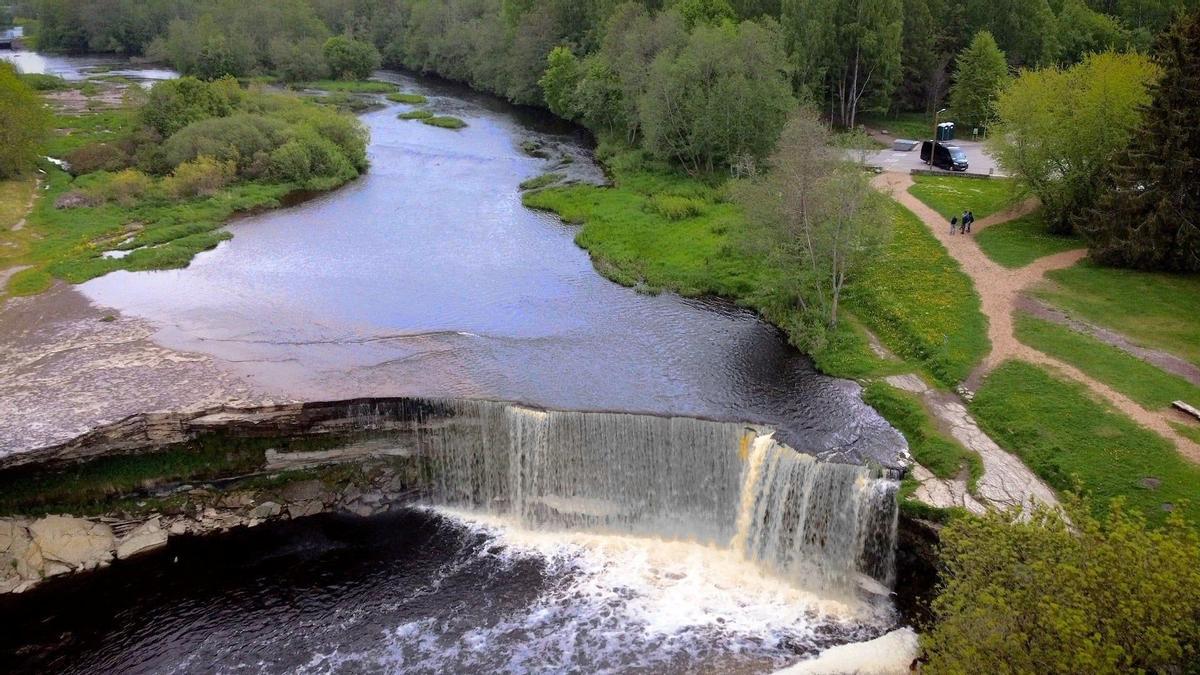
<point x="963" y="226"/>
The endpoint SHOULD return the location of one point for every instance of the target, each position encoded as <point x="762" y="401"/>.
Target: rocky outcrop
<point x="35" y="549"/>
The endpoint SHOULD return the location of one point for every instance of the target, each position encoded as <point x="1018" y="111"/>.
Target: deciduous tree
<point x="25" y="123"/>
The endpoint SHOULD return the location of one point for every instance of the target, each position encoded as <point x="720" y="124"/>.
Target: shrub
<point x="677" y="207"/>
<point x="1045" y="594"/>
<point x="201" y="177"/>
<point x="40" y="82"/>
<point x="174" y="104"/>
<point x="298" y="60"/>
<point x="290" y="163"/>
<point x="125" y="187"/>
<point x="237" y="138"/>
<point x="444" y="122"/>
<point x="97" y="157"/>
<point x="350" y="59"/>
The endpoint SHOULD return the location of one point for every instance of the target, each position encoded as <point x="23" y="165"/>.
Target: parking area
<point x="977" y="158"/>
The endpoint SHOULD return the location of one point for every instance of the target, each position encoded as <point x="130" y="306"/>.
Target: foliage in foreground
<point x="1076" y="443"/>
<point x="23" y="123"/>
<point x="1149" y="214"/>
<point x="1049" y="596"/>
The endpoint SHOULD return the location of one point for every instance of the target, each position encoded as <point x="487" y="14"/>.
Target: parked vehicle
<point x="948" y="157"/>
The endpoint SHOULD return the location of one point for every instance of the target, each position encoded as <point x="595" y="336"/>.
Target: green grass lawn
<point x="1073" y="441"/>
<point x="658" y="229"/>
<point x="939" y="453"/>
<point x="1022" y="241"/>
<point x="14" y="197"/>
<point x="913" y="126"/>
<point x="920" y="303"/>
<point x="1140" y="381"/>
<point x="1154" y="309"/>
<point x="951" y="195"/>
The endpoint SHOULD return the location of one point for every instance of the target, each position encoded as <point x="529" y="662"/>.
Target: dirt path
<point x="1000" y="290"/>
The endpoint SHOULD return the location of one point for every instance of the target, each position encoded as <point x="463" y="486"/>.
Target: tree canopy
<point x="980" y="74"/>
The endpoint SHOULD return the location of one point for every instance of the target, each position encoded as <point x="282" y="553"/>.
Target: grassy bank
<point x="1022" y="241"/>
<point x="657" y="229"/>
<point x="1075" y="442"/>
<point x="1157" y="310"/>
<point x="1140" y="381"/>
<point x="951" y="195"/>
<point x="913" y="126"/>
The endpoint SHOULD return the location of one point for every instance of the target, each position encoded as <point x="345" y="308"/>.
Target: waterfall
<point x="719" y="483"/>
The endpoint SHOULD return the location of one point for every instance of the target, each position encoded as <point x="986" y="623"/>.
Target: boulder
<point x="309" y="508"/>
<point x="303" y="491"/>
<point x="20" y="560"/>
<point x="145" y="537"/>
<point x="265" y="510"/>
<point x="72" y="543"/>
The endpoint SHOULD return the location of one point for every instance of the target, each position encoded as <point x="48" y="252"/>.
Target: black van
<point x="948" y="157"/>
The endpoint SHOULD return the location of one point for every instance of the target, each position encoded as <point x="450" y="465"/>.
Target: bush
<point x="676" y="207"/>
<point x="124" y="188"/>
<point x="350" y="59"/>
<point x="237" y="138"/>
<point x="201" y="177"/>
<point x="97" y="157"/>
<point x="299" y="60"/>
<point x="1051" y="595"/>
<point x="174" y="104"/>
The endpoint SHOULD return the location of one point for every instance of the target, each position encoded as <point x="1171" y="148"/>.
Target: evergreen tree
<point x="981" y="72"/>
<point x="1149" y="217"/>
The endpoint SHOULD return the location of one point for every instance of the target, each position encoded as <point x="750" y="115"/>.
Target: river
<point x="428" y="277"/>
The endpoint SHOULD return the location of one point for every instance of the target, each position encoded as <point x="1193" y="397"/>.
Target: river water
<point x="428" y="277"/>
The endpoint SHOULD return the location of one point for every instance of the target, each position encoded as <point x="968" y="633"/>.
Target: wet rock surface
<point x="67" y="366"/>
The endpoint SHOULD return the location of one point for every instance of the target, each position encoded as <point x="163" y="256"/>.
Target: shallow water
<point x="428" y="277"/>
<point x="425" y="592"/>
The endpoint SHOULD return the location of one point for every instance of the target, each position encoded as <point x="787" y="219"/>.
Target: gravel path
<point x="999" y="290"/>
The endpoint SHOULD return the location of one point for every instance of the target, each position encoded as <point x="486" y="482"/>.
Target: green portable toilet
<point x="945" y="131"/>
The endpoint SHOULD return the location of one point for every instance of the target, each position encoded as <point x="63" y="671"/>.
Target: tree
<point x="1059" y="129"/>
<point x="980" y="74"/>
<point x="1082" y="30"/>
<point x="1025" y="29"/>
<point x="817" y="214"/>
<point x="25" y="123"/>
<point x="1149" y="213"/>
<point x="350" y="59"/>
<point x="560" y="81"/>
<point x="846" y="50"/>
<point x="1048" y="595"/>
<point x="709" y="12"/>
<point x="722" y="98"/>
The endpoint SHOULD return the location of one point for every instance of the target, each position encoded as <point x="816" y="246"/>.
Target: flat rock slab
<point x="1006" y="482"/>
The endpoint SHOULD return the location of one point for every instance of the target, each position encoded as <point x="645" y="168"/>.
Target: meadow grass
<point x="1148" y="385"/>
<point x="349" y="86"/>
<point x="934" y="450"/>
<point x="14" y="198"/>
<point x="951" y="195"/>
<point x="1023" y="240"/>
<point x="541" y="181"/>
<point x="444" y="122"/>
<point x="917" y="299"/>
<point x="1187" y="430"/>
<point x="1154" y="309"/>
<point x="1076" y="443"/>
<point x="403" y="97"/>
<point x="415" y="115"/>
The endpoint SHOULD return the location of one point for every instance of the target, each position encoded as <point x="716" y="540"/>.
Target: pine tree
<point x="1149" y="215"/>
<point x="980" y="73"/>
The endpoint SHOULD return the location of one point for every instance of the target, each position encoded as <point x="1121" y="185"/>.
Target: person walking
<point x="953" y="224"/>
<point x="962" y="224"/>
<point x="970" y="220"/>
